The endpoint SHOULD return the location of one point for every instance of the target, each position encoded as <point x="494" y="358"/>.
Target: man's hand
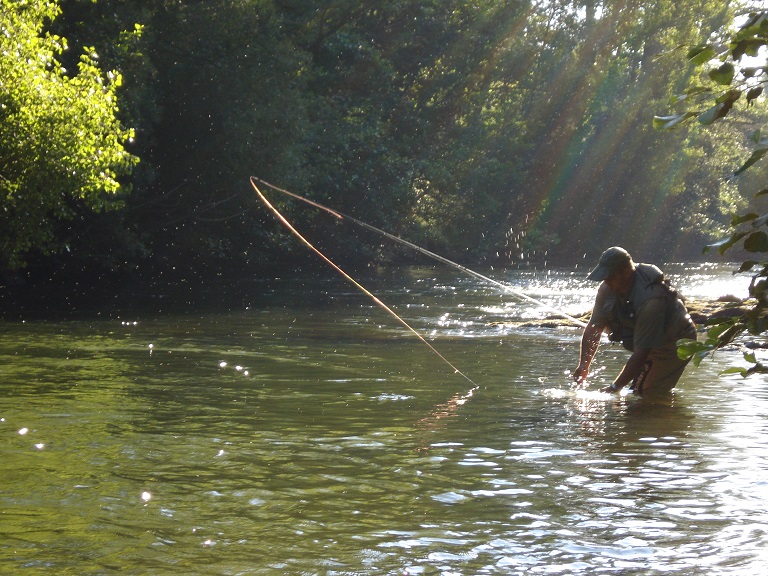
<point x="581" y="373"/>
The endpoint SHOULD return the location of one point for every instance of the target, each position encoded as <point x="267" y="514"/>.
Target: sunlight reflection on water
<point x="565" y="291"/>
<point x="316" y="438"/>
<point x="708" y="281"/>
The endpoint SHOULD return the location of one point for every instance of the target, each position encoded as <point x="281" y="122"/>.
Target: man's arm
<point x="631" y="370"/>
<point x="649" y="333"/>
<point x="590" y="340"/>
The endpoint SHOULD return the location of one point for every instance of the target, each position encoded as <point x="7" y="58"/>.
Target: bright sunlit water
<point x="309" y="433"/>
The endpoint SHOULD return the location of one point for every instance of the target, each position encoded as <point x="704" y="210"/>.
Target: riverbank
<point x="702" y="312"/>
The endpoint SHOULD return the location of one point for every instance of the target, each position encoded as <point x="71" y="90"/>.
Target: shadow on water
<point x="142" y="297"/>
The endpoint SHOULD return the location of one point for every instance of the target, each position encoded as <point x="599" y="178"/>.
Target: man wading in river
<point x="638" y="308"/>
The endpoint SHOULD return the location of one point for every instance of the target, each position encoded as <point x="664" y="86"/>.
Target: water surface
<point x="308" y="433"/>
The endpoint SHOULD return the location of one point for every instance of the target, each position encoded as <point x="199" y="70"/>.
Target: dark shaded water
<point x="310" y="434"/>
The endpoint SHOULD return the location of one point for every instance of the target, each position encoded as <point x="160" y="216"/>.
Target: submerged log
<point x="702" y="311"/>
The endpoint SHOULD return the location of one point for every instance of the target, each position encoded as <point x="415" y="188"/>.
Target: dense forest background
<point x="495" y="132"/>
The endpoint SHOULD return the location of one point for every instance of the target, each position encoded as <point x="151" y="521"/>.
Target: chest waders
<point x="623" y="315"/>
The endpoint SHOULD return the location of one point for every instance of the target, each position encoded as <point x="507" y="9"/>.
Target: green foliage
<point x="716" y="338"/>
<point x="490" y="130"/>
<point x="730" y="80"/>
<point x="598" y="173"/>
<point x="61" y="152"/>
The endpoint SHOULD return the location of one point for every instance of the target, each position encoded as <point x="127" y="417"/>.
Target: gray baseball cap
<point x="612" y="260"/>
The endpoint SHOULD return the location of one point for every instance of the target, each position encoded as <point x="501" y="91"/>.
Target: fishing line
<point x="430" y="254"/>
<point x="362" y="288"/>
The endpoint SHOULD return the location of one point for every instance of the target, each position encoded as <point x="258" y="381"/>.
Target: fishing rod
<point x="378" y="302"/>
<point x="428" y="253"/>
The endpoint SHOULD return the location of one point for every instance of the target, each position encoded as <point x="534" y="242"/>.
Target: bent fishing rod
<point x="362" y="288"/>
<point x="416" y="247"/>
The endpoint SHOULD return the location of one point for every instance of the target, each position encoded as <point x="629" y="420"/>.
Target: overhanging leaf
<point x="689" y="94"/>
<point x="756" y="155"/>
<point x="701" y="54"/>
<point x="734" y="370"/>
<point x="726" y="243"/>
<point x="724" y="74"/>
<point x="698" y="351"/>
<point x="717" y="331"/>
<point x="756" y="242"/>
<point x="736" y="220"/>
<point x="717" y="111"/>
<point x="669" y="122"/>
<point x="747" y="266"/>
<point x="728" y="98"/>
<point x="747" y="46"/>
<point x="697" y="90"/>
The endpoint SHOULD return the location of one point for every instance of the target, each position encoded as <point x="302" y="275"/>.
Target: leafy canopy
<point x="730" y="77"/>
<point x="61" y="144"/>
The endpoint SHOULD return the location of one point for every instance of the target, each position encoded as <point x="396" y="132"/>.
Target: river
<point x="305" y="431"/>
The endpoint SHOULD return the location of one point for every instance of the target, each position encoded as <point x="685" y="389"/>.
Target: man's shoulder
<point x="649" y="273"/>
<point x="649" y="283"/>
<point x="605" y="291"/>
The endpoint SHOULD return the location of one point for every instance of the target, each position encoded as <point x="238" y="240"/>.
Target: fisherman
<point x="637" y="306"/>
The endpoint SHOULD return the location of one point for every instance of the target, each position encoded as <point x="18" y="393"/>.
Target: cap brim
<point x="599" y="274"/>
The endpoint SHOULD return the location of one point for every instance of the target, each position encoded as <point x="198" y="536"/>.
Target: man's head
<point x="614" y="261"/>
